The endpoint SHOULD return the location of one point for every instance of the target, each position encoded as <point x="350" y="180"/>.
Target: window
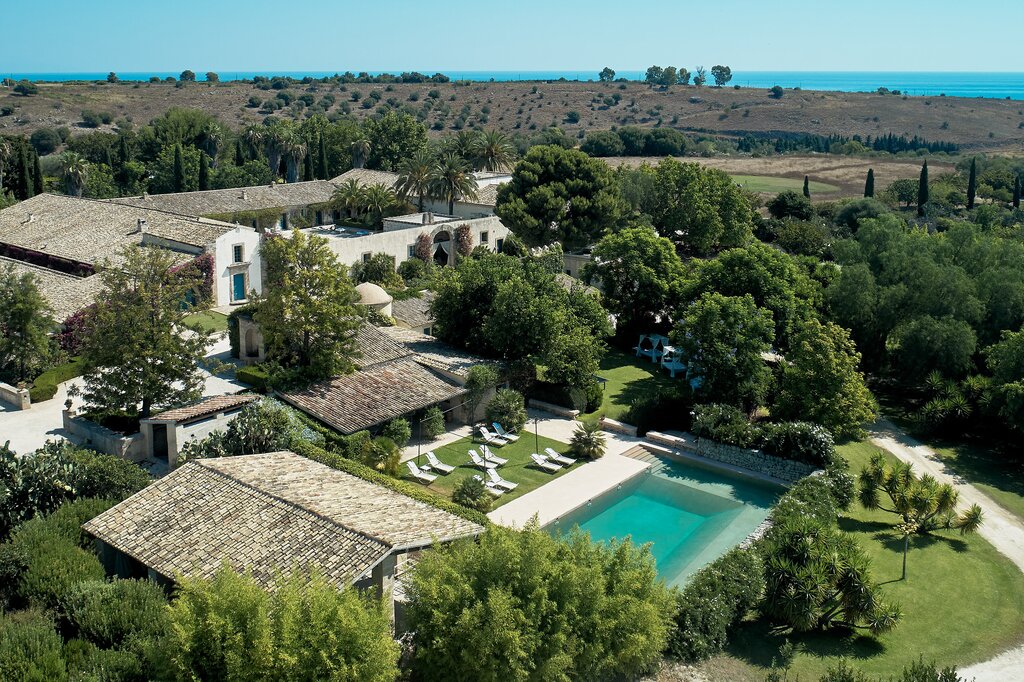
<point x="484" y="236"/>
<point x="366" y="256"/>
<point x="283" y="221"/>
<point x="319" y="217"/>
<point x="412" y="250"/>
<point x="237" y="253"/>
<point x="500" y="245"/>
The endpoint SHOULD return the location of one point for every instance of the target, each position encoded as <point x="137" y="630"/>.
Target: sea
<point x="1000" y="85"/>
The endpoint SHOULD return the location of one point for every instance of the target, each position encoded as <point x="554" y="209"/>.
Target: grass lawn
<point x="774" y="185"/>
<point x="209" y="320"/>
<point x="963" y="602"/>
<point x="518" y="456"/>
<point x="626" y="377"/>
<point x="997" y="474"/>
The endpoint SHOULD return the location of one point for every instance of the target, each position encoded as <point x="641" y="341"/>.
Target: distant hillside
<point x="522" y="107"/>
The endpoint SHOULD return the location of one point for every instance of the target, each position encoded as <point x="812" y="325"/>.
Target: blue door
<point x="238" y="287"/>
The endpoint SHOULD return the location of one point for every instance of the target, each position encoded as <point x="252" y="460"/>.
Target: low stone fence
<point x="617" y="427"/>
<point x="18" y="397"/>
<point x="755" y="460"/>
<point x="553" y="409"/>
<point x="101" y="438"/>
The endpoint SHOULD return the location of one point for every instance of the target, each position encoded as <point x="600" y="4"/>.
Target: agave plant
<point x="587" y="441"/>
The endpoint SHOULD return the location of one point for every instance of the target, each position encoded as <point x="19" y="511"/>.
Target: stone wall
<point x="552" y="408"/>
<point x="19" y="397"/>
<point x="103" y="439"/>
<point x="755" y="460"/>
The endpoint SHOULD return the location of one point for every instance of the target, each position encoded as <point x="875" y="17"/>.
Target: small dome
<point x="372" y="294"/>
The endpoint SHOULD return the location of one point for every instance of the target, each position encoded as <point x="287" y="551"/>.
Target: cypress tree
<point x="24" y="175"/>
<point x="322" y="159"/>
<point x="869" y="184"/>
<point x="807" y="187"/>
<point x="179" y="170"/>
<point x="922" y="189"/>
<point x="123" y="153"/>
<point x="37" y="174"/>
<point x="108" y="157"/>
<point x="204" y="172"/>
<point x="1016" y="192"/>
<point x="972" y="184"/>
<point x="239" y="153"/>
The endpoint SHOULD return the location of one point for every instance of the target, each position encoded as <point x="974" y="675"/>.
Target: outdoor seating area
<point x="658" y="350"/>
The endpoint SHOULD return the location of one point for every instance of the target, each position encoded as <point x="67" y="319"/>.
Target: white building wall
<point x="223" y="254"/>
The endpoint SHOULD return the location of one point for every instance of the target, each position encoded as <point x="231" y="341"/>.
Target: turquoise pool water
<point x="690" y="514"/>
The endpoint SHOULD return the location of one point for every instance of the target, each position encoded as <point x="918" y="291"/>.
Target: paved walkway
<point x="1004" y="530"/>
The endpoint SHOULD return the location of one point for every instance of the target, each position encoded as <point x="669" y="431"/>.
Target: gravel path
<point x="1004" y="530"/>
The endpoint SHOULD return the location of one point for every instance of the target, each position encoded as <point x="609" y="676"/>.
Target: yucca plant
<point x="588" y="442"/>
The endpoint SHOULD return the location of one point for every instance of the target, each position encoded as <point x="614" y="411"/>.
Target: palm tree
<point x="464" y="144"/>
<point x="451" y="179"/>
<point x="213" y="138"/>
<point x="293" y="149"/>
<point x="254" y="136"/>
<point x="75" y="171"/>
<point x="377" y="199"/>
<point x="492" y="150"/>
<point x="350" y="195"/>
<point x="414" y="176"/>
<point x="360" y="152"/>
<point x="588" y="441"/>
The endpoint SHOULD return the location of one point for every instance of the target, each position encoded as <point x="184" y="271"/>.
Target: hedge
<point x="364" y="472"/>
<point x="255" y="376"/>
<point x="45" y="385"/>
<point x="799" y="441"/>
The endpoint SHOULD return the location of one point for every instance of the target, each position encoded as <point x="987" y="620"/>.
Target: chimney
<point x="245" y="196"/>
<point x="141" y="226"/>
<point x="428" y="218"/>
<point x="145" y="196"/>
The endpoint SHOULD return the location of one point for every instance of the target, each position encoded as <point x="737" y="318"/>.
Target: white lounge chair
<point x="510" y="437"/>
<point x="478" y="461"/>
<point x="544" y="463"/>
<point x="490" y="438"/>
<point x="490" y="457"/>
<point x="554" y="456"/>
<point x="491" y="487"/>
<point x="421" y="476"/>
<point x="438" y="465"/>
<point x="497" y="480"/>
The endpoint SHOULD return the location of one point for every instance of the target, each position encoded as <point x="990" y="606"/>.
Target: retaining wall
<point x="103" y="439"/>
<point x="19" y="397"/>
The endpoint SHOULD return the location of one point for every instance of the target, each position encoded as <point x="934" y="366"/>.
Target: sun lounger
<point x="490" y="438"/>
<point x="492" y="458"/>
<point x="491" y="487"/>
<point x="478" y="461"/>
<point x="544" y="463"/>
<point x="510" y="437"/>
<point x="497" y="480"/>
<point x="438" y="465"/>
<point x="555" y="457"/>
<point x="421" y="476"/>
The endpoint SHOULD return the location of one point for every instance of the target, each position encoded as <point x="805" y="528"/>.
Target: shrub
<point x="725" y="424"/>
<point x="86" y="661"/>
<point x="55" y="566"/>
<point x="471" y="492"/>
<point x="99" y="475"/>
<point x="13" y="562"/>
<point x="256" y="376"/>
<point x="30" y="648"/>
<point x="508" y="409"/>
<point x="587" y="441"/>
<point x="713" y="603"/>
<point x="594" y="391"/>
<point x="432" y="424"/>
<point x="667" y="407"/>
<point x="850" y="215"/>
<point x="108" y="614"/>
<point x="603" y="143"/>
<point x="398" y="431"/>
<point x="811" y="497"/>
<point x="45" y="385"/>
<point x="800" y="441"/>
<point x="791" y="205"/>
<point x="412" y="269"/>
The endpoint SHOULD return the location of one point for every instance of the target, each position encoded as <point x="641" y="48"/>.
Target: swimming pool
<point x="691" y="514"/>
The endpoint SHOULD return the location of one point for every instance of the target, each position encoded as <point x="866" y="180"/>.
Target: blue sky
<point x="295" y="35"/>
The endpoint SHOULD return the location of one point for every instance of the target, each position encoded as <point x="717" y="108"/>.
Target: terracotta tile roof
<point x="365" y="176"/>
<point x="236" y="200"/>
<point x="268" y="513"/>
<point x="376" y="347"/>
<point x="88" y="231"/>
<point x="430" y="352"/>
<point x="204" y="408"/>
<point x="65" y="293"/>
<point x="373" y="395"/>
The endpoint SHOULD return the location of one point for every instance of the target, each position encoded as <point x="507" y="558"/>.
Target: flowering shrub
<point x="70" y="339"/>
<point x="463" y="240"/>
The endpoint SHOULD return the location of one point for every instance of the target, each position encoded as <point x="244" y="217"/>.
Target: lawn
<point x="626" y="377"/>
<point x="997" y="474"/>
<point x="773" y="184"/>
<point x="520" y="468"/>
<point x="208" y="320"/>
<point x="963" y="602"/>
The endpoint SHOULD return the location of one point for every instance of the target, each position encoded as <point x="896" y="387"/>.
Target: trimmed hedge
<point x="255" y="376"/>
<point x="45" y="385"/>
<point x="798" y="441"/>
<point x="366" y="473"/>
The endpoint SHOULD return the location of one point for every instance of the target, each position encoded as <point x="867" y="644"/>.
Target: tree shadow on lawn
<point x="760" y="643"/>
<point x="886" y="534"/>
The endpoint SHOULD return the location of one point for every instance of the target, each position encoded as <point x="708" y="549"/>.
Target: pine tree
<point x="25" y="189"/>
<point x="204" y="172"/>
<point x="869" y="184"/>
<point x="37" y="174"/>
<point x="322" y="159"/>
<point x="807" y="187"/>
<point x="922" y="189"/>
<point x="239" y="153"/>
<point x="972" y="184"/>
<point x="1016" y="192"/>
<point x="179" y="170"/>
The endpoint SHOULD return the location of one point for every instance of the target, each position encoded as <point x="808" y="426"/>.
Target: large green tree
<point x="1005" y="360"/>
<point x="393" y="137"/>
<point x="25" y="324"/>
<point x="821" y="382"/>
<point x="308" y="312"/>
<point x="722" y="339"/>
<point x="522" y="605"/>
<point x="559" y="195"/>
<point x="136" y="352"/>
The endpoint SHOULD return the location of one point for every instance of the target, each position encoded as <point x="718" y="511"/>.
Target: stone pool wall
<point x="753" y="460"/>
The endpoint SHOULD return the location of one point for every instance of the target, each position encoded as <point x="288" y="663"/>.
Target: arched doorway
<point x="442" y="248"/>
<point x="252" y="347"/>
